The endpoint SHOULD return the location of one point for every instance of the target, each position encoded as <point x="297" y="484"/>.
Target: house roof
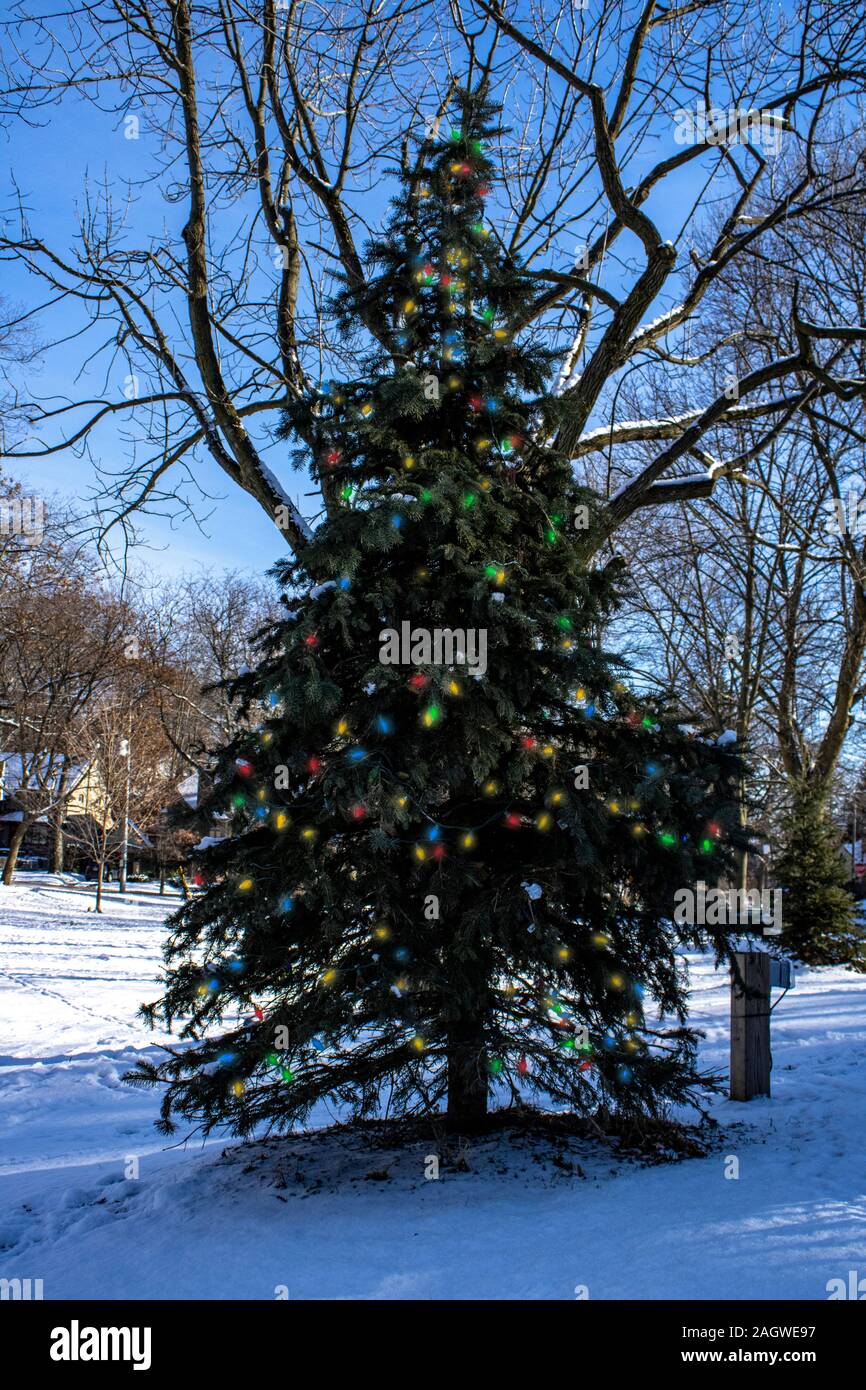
<point x="189" y="789"/>
<point x="14" y="767"/>
<point x="135" y="834"/>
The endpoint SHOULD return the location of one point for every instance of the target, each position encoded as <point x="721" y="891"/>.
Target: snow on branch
<point x="668" y="427"/>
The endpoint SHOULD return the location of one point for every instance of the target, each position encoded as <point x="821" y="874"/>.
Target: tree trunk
<point x="57" y="842"/>
<point x="14" y="846"/>
<point x="467" y="1078"/>
<point x="99" y="871"/>
<point x="161" y="880"/>
<point x="57" y="818"/>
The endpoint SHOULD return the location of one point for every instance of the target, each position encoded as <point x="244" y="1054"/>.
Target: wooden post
<point x="750" y="1026"/>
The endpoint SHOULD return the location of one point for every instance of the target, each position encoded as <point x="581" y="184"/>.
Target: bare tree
<point x="125" y="759"/>
<point x="18" y="350"/>
<point x="757" y="600"/>
<point x="61" y="642"/>
<point x="199" y="633"/>
<point x="271" y="124"/>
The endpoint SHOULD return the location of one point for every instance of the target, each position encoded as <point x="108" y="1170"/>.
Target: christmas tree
<point x="456" y="831"/>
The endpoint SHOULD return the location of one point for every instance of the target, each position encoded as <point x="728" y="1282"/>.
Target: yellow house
<point x="85" y="793"/>
<point x="88" y="796"/>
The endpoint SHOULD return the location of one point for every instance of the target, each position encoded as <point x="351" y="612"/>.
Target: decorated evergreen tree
<point x="817" y="909"/>
<point x="452" y="863"/>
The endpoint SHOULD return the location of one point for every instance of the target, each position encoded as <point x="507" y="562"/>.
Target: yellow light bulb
<point x="408" y="306"/>
<point x="409" y="462"/>
<point x="468" y="840"/>
<point x="453" y="688"/>
<point x="420" y="852"/>
<point x="281" y="820"/>
<point x="329" y="977"/>
<point x="245" y="885"/>
<point x="418" y="1044"/>
<point x="237" y="1088"/>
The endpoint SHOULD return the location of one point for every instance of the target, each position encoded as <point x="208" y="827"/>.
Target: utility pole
<point x="124" y="850"/>
<point x="131" y="652"/>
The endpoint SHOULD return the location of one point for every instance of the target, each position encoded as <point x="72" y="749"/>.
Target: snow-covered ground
<point x="337" y="1216"/>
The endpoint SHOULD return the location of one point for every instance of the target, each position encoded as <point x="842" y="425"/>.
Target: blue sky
<point x="50" y="164"/>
